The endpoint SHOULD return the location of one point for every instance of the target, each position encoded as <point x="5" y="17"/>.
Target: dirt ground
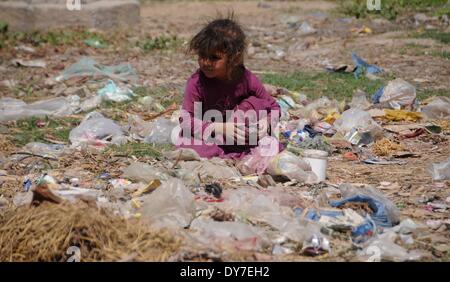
<point x="390" y="46"/>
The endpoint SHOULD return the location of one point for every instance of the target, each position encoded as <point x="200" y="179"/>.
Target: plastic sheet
<point x="14" y="109"/>
<point x="87" y="66"/>
<point x="236" y="235"/>
<point x="112" y="92"/>
<point x="96" y="130"/>
<point x="42" y="149"/>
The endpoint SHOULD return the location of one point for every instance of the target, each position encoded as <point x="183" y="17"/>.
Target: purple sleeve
<point x="260" y="98"/>
<point x="191" y="96"/>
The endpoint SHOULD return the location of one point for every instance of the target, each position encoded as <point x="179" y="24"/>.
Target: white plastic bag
<point x="438" y="108"/>
<point x="398" y="94"/>
<point x="440" y="171"/>
<point x="95" y="129"/>
<point x="289" y="165"/>
<point x="172" y="205"/>
<point x="161" y="132"/>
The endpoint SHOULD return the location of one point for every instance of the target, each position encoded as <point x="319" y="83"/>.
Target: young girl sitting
<point x="222" y="85"/>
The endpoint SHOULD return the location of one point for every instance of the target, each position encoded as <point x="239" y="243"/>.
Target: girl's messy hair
<point x="223" y="35"/>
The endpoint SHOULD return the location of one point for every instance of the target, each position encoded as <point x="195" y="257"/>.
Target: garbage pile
<point x="278" y="207"/>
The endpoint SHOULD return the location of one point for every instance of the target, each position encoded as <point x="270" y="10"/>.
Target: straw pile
<point x="45" y="233"/>
<point x="386" y="147"/>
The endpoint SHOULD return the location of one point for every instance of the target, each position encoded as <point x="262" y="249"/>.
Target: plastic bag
<point x="111" y="92"/>
<point x="183" y="154"/>
<point x="259" y="157"/>
<point x="143" y="172"/>
<point x="138" y="128"/>
<point x="214" y="168"/>
<point x="97" y="130"/>
<point x="385" y="213"/>
<point x="438" y="108"/>
<point x="42" y="149"/>
<point x="362" y="66"/>
<point x="440" y="171"/>
<point x="161" y="132"/>
<point x="399" y="94"/>
<point x="353" y="118"/>
<point x="383" y="248"/>
<point x="321" y="108"/>
<point x="359" y="100"/>
<point x="235" y="235"/>
<point x="250" y="203"/>
<point x="172" y="205"/>
<point x="87" y="66"/>
<point x="90" y="103"/>
<point x="289" y="165"/>
<point x="14" y="109"/>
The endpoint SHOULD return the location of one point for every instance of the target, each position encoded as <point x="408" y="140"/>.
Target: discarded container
<point x="111" y="92"/>
<point x="289" y="165"/>
<point x="440" y="171"/>
<point x="317" y="245"/>
<point x="318" y="161"/>
<point x="438" y="108"/>
<point x="96" y="130"/>
<point x="398" y="94"/>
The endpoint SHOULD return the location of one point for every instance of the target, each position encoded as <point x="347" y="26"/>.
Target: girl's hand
<point x="263" y="126"/>
<point x="236" y="130"/>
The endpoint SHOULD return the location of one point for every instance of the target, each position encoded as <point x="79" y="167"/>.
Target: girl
<point x="220" y="85"/>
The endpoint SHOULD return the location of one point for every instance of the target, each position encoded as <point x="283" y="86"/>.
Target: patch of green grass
<point x="443" y="37"/>
<point x="55" y="37"/>
<point x="140" y="149"/>
<point x="442" y="54"/>
<point x="57" y="129"/>
<point x="317" y="84"/>
<point x="390" y="9"/>
<point x="162" y="95"/>
<point x="162" y="42"/>
<point x="425" y="93"/>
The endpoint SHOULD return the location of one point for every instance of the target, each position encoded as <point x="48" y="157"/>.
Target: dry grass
<point x="44" y="233"/>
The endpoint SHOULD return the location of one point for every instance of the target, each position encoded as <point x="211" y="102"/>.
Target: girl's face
<point x="214" y="66"/>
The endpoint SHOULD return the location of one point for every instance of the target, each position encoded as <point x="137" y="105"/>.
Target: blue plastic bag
<point x="379" y="216"/>
<point x="362" y="66"/>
